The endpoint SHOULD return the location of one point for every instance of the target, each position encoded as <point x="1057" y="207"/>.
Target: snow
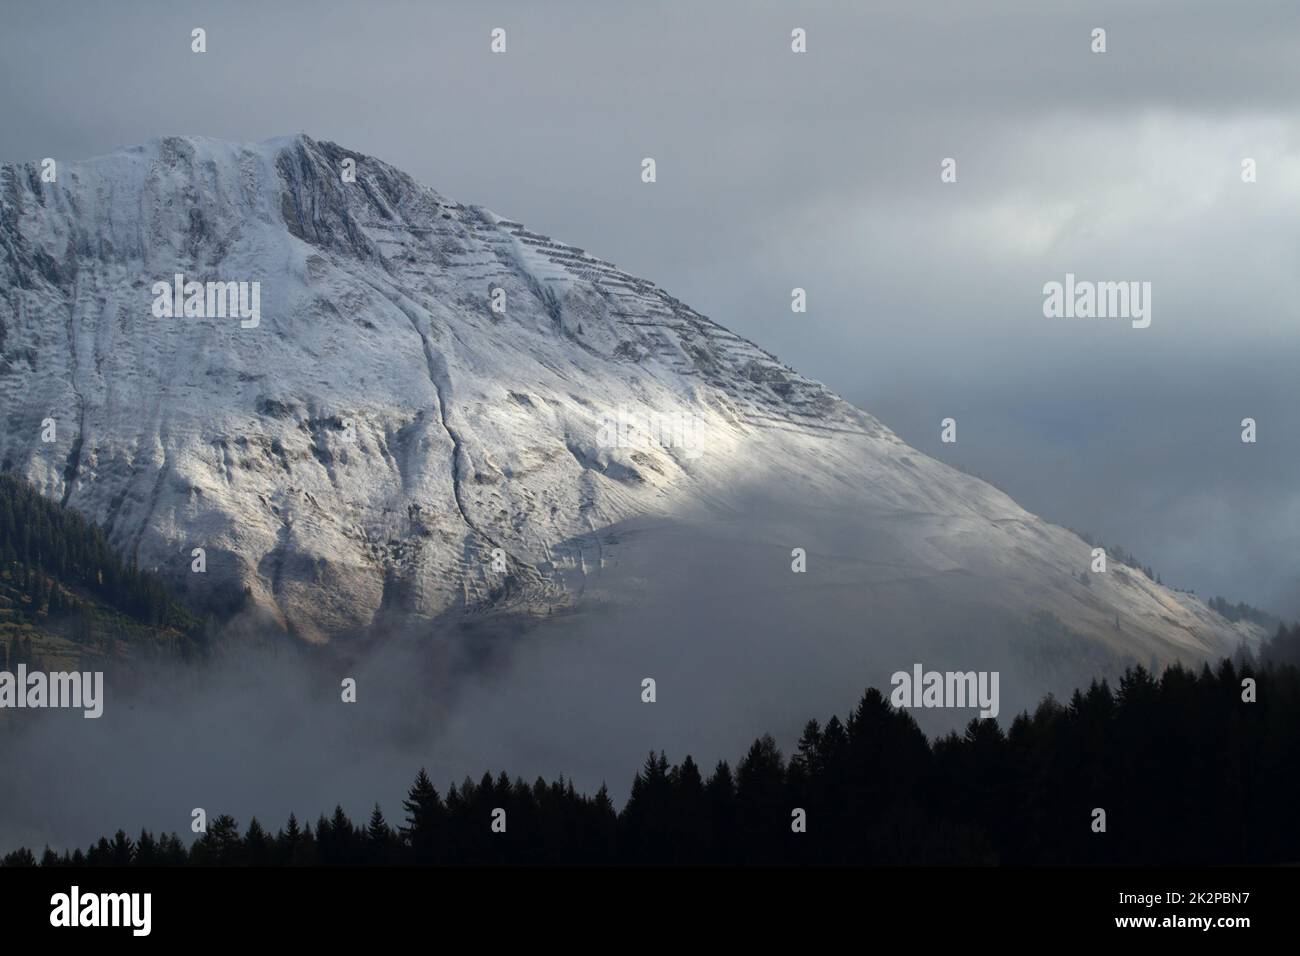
<point x="382" y="431"/>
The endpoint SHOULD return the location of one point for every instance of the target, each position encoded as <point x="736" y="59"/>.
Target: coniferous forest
<point x="39" y="538"/>
<point x="1187" y="768"/>
<point x="60" y="576"/>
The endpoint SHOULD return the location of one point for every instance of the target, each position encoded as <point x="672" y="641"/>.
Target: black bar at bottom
<point x="330" y="905"/>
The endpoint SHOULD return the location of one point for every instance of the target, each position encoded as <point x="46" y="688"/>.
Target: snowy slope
<point x="370" y="444"/>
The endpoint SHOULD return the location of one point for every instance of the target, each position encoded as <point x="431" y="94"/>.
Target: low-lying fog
<point x="736" y="643"/>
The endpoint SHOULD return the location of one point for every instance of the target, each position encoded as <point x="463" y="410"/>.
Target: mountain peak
<point x="439" y="411"/>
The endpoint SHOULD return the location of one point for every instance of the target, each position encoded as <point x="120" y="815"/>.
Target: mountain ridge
<point x="385" y="438"/>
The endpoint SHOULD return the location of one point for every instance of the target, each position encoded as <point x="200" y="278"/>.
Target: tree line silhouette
<point x="1186" y="768"/>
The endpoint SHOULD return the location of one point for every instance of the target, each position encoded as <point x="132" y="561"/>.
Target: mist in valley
<point x="707" y="607"/>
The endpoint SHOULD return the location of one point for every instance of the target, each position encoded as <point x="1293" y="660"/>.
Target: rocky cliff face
<point x="439" y="411"/>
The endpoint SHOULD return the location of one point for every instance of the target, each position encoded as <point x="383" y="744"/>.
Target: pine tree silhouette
<point x="1165" y="757"/>
<point x="380" y="841"/>
<point x="425" y="816"/>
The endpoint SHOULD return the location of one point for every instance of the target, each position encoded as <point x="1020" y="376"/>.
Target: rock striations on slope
<point x="420" y="422"/>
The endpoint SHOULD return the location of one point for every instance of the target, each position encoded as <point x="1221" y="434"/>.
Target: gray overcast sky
<point x="821" y="170"/>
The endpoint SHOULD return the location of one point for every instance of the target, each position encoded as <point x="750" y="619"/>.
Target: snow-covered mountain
<point x="428" y="398"/>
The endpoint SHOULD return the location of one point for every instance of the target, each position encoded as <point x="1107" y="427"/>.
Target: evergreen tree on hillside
<point x="47" y="549"/>
<point x="221" y="845"/>
<point x="123" y="849"/>
<point x="425" y="815"/>
<point x="258" y="847"/>
<point x="762" y="810"/>
<point x="146" y="850"/>
<point x="380" y="841"/>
